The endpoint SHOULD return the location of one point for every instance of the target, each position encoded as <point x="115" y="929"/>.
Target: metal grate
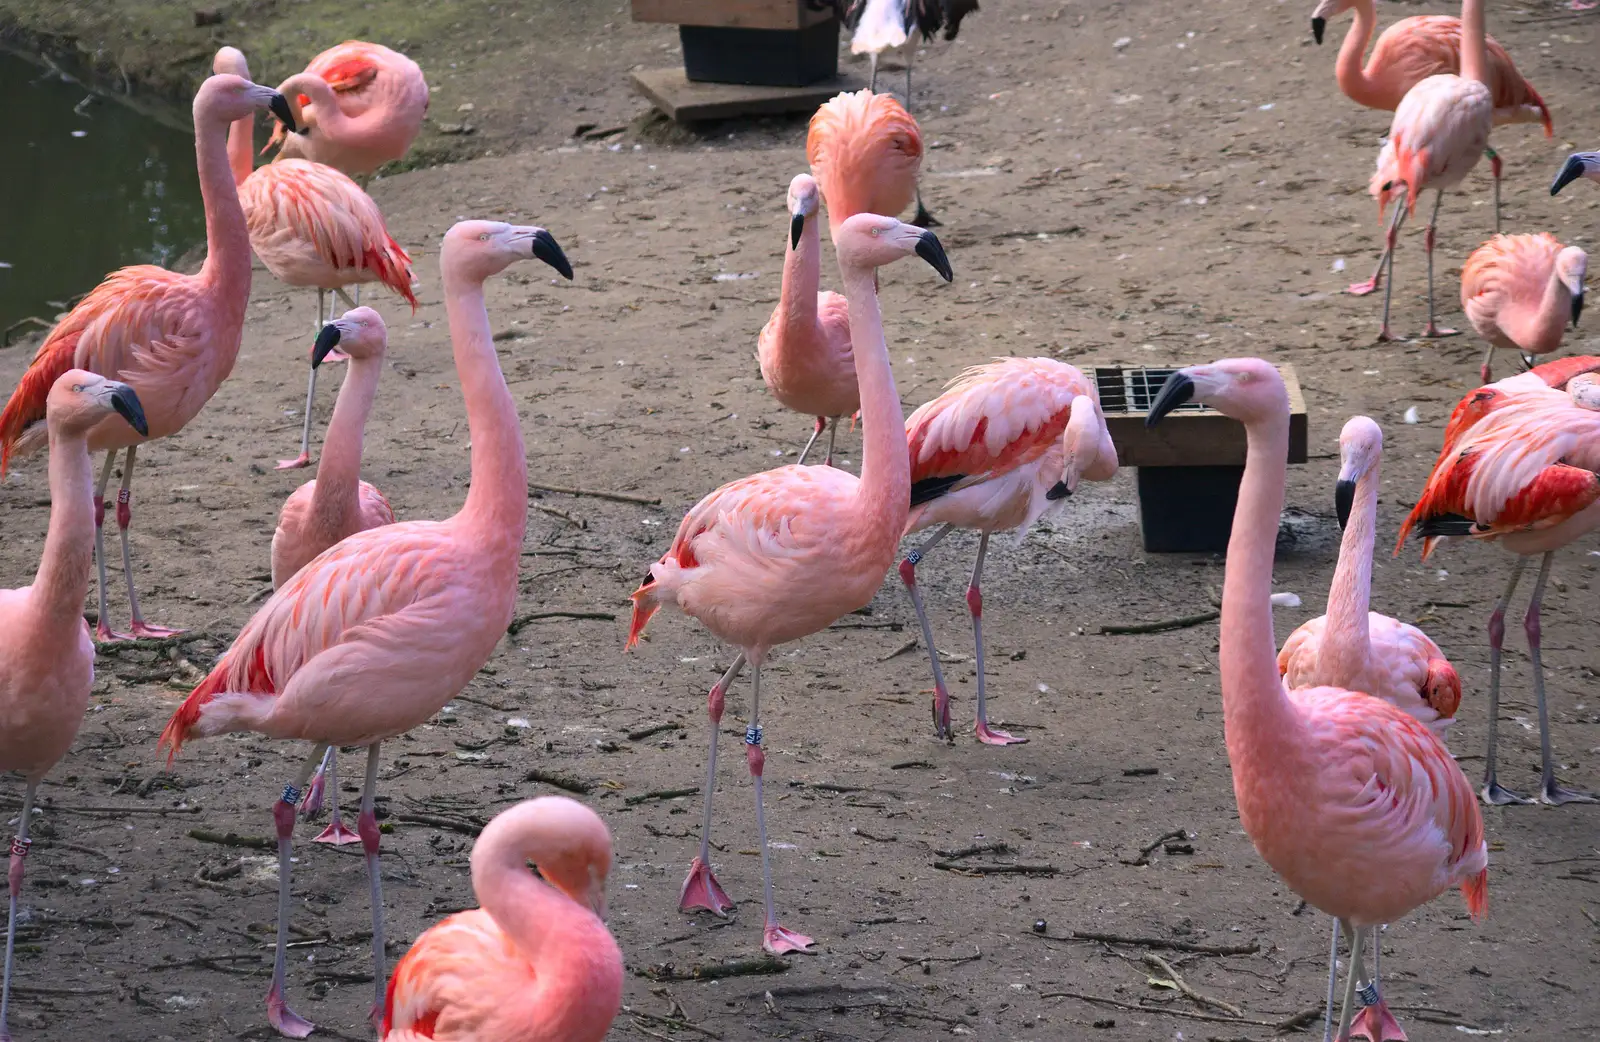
<point x="1131" y="391"/>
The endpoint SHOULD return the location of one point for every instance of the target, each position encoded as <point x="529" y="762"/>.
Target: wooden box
<point x="1190" y="464"/>
<point x="760" y="43"/>
<point x="734" y="14"/>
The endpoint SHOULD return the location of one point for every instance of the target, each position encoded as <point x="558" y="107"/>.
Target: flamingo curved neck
<point x="497" y="502"/>
<point x="1347" y="639"/>
<point x="241" y="148"/>
<point x="1538" y="328"/>
<point x="1474" y="50"/>
<point x="802" y="275"/>
<point x="884" y="492"/>
<point x="1358" y="83"/>
<point x="335" y="500"/>
<point x="62" y="580"/>
<point x="227" y="263"/>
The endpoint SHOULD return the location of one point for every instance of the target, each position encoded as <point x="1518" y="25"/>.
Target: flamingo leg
<point x="284" y="1020"/>
<point x="367" y="826"/>
<point x="312" y="804"/>
<point x="138" y="627"/>
<point x="1483" y="370"/>
<point x="1434" y="329"/>
<point x="102" y="627"/>
<point x="700" y="887"/>
<point x="941" y="694"/>
<point x="1391" y="236"/>
<point x="1492" y="792"/>
<point x="304" y="459"/>
<point x="336" y="833"/>
<point x="986" y="734"/>
<point x="1549" y="791"/>
<point x="19" y="851"/>
<point x="1333" y="976"/>
<point x="1375" y="1022"/>
<point x="872" y="80"/>
<point x="833" y="433"/>
<point x="923" y="218"/>
<point x="775" y="938"/>
<point x="822" y="421"/>
<point x="1494" y="167"/>
<point x="1355" y="939"/>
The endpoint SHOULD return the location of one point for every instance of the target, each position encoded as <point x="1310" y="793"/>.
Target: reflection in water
<point x="84" y="194"/>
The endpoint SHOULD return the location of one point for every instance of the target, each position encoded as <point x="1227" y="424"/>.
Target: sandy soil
<point x="1185" y="196"/>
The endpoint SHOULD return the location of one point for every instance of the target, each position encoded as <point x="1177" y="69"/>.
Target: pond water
<point x="89" y="186"/>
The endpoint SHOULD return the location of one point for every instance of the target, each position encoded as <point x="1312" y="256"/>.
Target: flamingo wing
<point x="141" y="323"/>
<point x="989" y="420"/>
<point x="1414" y="48"/>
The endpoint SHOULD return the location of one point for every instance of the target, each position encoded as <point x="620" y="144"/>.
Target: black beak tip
<point x="1577" y="308"/>
<point x="128" y="406"/>
<point x="1318" y="26"/>
<point x="1058" y="491"/>
<point x="327" y="340"/>
<point x="1344" y="498"/>
<point x="1175" y="392"/>
<point x="931" y="250"/>
<point x="1570" y="171"/>
<point x="548" y="250"/>
<point x="797" y="225"/>
<point x="280" y="108"/>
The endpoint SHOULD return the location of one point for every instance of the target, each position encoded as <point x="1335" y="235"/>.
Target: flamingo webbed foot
<point x="780" y="940"/>
<point x="1377" y="1024"/>
<point x="989" y="736"/>
<point x="701" y="890"/>
<point x="302" y="460"/>
<point x="337" y="834"/>
<point x="1438" y="332"/>
<point x="1555" y="795"/>
<point x="1497" y="795"/>
<point x="941" y="716"/>
<point x="284" y="1020"/>
<point x="1361" y="289"/>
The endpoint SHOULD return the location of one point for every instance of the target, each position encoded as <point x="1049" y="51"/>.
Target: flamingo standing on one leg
<point x="46" y="656"/>
<point x="536" y="962"/>
<point x="1360" y="650"/>
<point x="1410" y="51"/>
<point x="336" y="503"/>
<point x="311" y="226"/>
<point x="1579" y="164"/>
<point x="782" y="554"/>
<point x="1352" y="802"/>
<point x="1523" y="475"/>
<point x="364" y="106"/>
<point x="1005" y="442"/>
<point x="1519" y="291"/>
<point x="173" y="338"/>
<point x="804" y="348"/>
<point x="1439" y="133"/>
<point x="877" y="26"/>
<point x="377" y="633"/>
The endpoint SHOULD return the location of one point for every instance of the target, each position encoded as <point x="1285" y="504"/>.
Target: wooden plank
<point x="732" y="14"/>
<point x="687" y="101"/>
<point x="1200" y="438"/>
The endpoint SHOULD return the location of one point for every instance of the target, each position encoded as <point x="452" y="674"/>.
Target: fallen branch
<point x="659" y="794"/>
<point x="674" y="1023"/>
<point x="761" y="967"/>
<point x="232" y="839"/>
<point x="1149" y="848"/>
<point x="1159" y="1010"/>
<point x="438" y="821"/>
<point x="560" y="781"/>
<point x="981" y="848"/>
<point x="570" y="518"/>
<point x="534" y="616"/>
<point x="1182" y="622"/>
<point x="1157" y="962"/>
<point x="646" y="732"/>
<point x="911" y="765"/>
<point x="28" y="989"/>
<point x="616" y="497"/>
<point x="12" y="801"/>
<point x="996" y="870"/>
<point x="927" y="961"/>
<point x="1155" y="942"/>
<point x="901" y="650"/>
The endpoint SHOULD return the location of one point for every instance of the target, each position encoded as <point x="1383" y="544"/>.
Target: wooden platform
<point x="1192" y="435"/>
<point x="686" y="101"/>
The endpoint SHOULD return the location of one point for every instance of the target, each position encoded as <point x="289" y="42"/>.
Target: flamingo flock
<point x="1335" y="740"/>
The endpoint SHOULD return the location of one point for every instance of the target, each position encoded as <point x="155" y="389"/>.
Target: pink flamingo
<point x="1004" y="443"/>
<point x="1360" y="650"/>
<point x="382" y="629"/>
<point x="311" y="226"/>
<point x="865" y="151"/>
<point x="1519" y="291"/>
<point x="1410" y="51"/>
<point x="804" y="349"/>
<point x="336" y="503"/>
<point x="1352" y="802"/>
<point x="536" y="962"/>
<point x="1579" y="164"/>
<point x="1523" y="475"/>
<point x="782" y="554"/>
<point x="173" y="338"/>
<point x="46" y="656"/>
<point x="1440" y="131"/>
<point x="366" y="104"/>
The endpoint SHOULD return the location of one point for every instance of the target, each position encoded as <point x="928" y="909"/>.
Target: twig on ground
<point x="560" y="781"/>
<point x="30" y="989"/>
<point x="56" y="844"/>
<point x="1181" y="622"/>
<point x="1154" y="942"/>
<point x="980" y="848"/>
<point x="647" y="732"/>
<point x="675" y="1023"/>
<point x="864" y="834"/>
<point x="592" y="493"/>
<point x="927" y="961"/>
<point x="438" y="821"/>
<point x="12" y="801"/>
<point x="901" y="650"/>
<point x="659" y="794"/>
<point x="534" y="616"/>
<point x="995" y="870"/>
<point x="717" y="970"/>
<point x="233" y="839"/>
<point x="1149" y="848"/>
<point x="1159" y="1010"/>
<point x="156" y="913"/>
<point x="570" y="518"/>
<point x="1158" y="963"/>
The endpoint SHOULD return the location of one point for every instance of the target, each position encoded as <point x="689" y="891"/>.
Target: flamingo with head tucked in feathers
<point x="363" y="105"/>
<point x="1519" y="293"/>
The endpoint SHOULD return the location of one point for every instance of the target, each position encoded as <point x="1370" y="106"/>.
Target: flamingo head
<point x="869" y="240"/>
<point x="1247" y="389"/>
<point x="1087" y="451"/>
<point x="79" y="400"/>
<point x="1325" y="10"/>
<point x="226" y="97"/>
<point x="359" y="333"/>
<point x="805" y="198"/>
<point x="1571" y="265"/>
<point x="1360" y="448"/>
<point x="230" y="60"/>
<point x="486" y="248"/>
<point x="1579" y="164"/>
<point x="1442" y="688"/>
<point x="572" y="848"/>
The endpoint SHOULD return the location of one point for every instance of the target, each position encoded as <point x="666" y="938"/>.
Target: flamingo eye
<point x="484" y="237"/>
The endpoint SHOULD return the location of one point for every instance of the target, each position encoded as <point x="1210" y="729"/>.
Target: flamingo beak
<point x="1571" y="170"/>
<point x="1344" y="498"/>
<point x="127" y="405"/>
<point x="1577" y="307"/>
<point x="279" y="105"/>
<point x="1060" y="490"/>
<point x="1318" y="26"/>
<point x="930" y="250"/>
<point x="797" y="224"/>
<point x="327" y="340"/>
<point x="1178" y="389"/>
<point x="546" y="248"/>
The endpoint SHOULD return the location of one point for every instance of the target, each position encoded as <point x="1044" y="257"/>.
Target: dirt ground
<point x="1134" y="184"/>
